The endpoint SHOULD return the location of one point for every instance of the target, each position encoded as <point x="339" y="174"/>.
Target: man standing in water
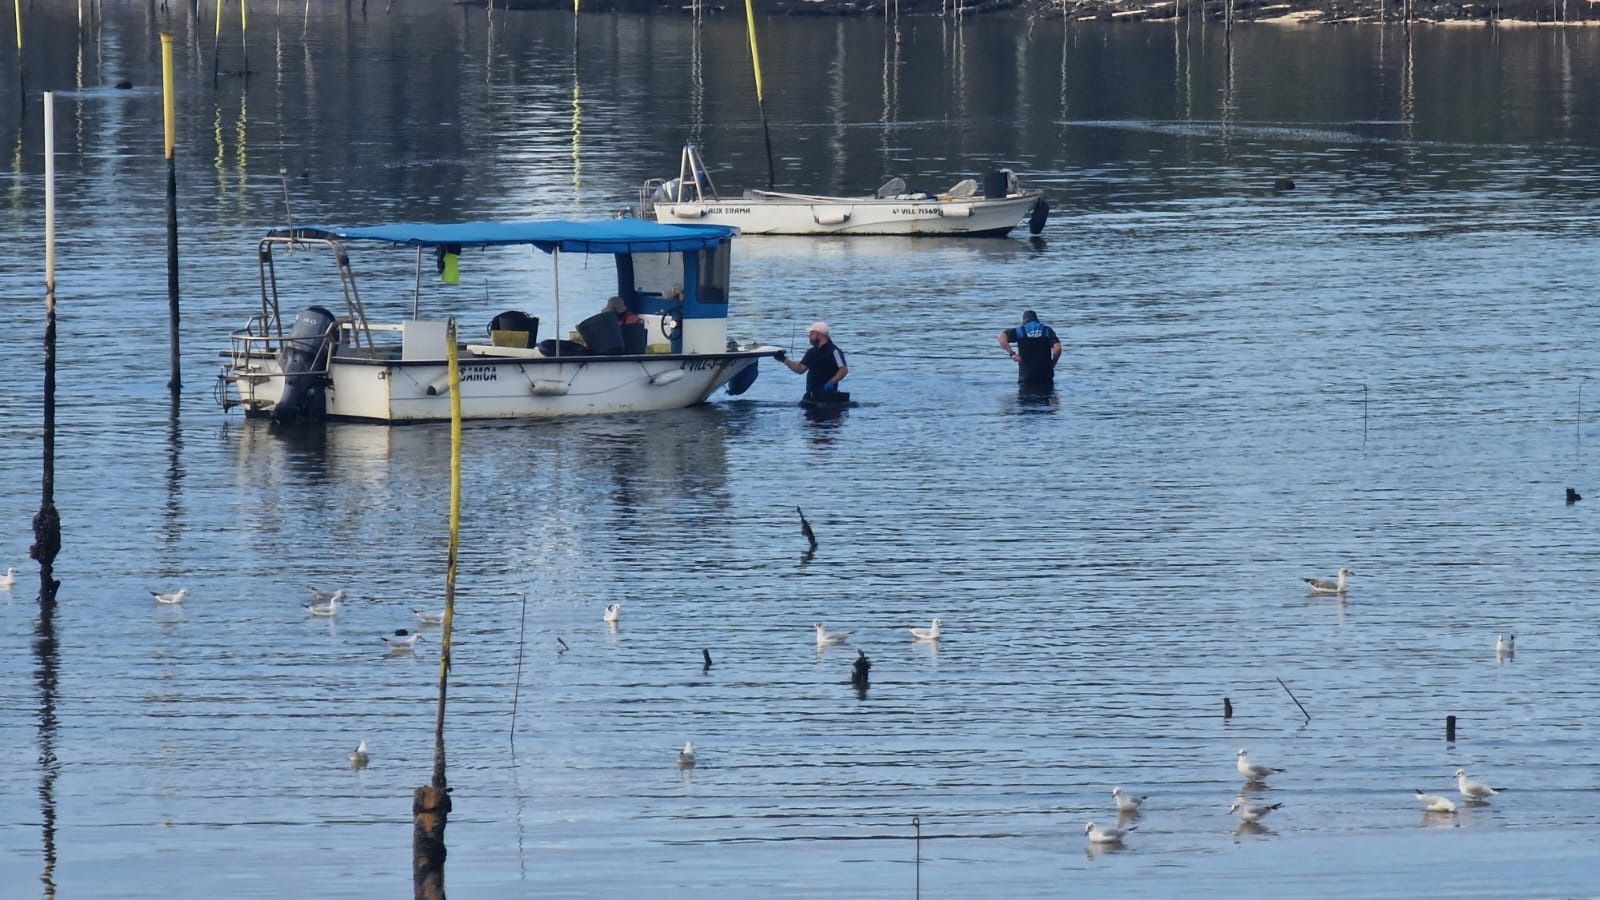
<point x="1037" y="351"/>
<point x="823" y="365"/>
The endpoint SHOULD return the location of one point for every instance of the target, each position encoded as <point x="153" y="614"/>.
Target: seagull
<point x="1251" y="813"/>
<point x="613" y="613"/>
<point x="931" y="633"/>
<point x="1251" y="771"/>
<point x="9" y="578"/>
<point x="1127" y="803"/>
<point x="171" y="598"/>
<point x="805" y="529"/>
<point x="1106" y="835"/>
<point x="330" y="608"/>
<point x="1323" y="586"/>
<point x="358" y="756"/>
<point x="324" y="596"/>
<point x="827" y="638"/>
<point x="1472" y="790"/>
<point x="686" y="755"/>
<point x="428" y="618"/>
<point x="1505" y="645"/>
<point x="1435" y="803"/>
<point x="402" y="640"/>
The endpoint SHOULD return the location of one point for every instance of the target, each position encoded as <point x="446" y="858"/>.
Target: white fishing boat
<point x="662" y="343"/>
<point x="966" y="209"/>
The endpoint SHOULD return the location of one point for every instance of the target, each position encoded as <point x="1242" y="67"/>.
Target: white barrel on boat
<point x="664" y="378"/>
<point x="830" y="216"/>
<point x="546" y="387"/>
<point x="960" y="211"/>
<point x="688" y="212"/>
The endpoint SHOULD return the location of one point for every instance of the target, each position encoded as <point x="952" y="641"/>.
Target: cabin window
<point x="659" y="274"/>
<point x="713" y="276"/>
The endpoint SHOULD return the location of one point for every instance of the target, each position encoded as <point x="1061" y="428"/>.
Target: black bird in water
<point x="1572" y="496"/>
<point x="862" y="666"/>
<point x="805" y="529"/>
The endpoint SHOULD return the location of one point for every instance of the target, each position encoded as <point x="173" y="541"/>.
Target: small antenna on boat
<point x="288" y="213"/>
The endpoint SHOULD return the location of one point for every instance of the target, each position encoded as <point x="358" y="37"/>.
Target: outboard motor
<point x="303" y="359"/>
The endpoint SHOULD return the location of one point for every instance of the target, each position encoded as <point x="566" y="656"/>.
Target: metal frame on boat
<point x="967" y="209"/>
<point x="672" y="282"/>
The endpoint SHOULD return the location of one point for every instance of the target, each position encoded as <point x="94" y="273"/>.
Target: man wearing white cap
<point x="823" y="364"/>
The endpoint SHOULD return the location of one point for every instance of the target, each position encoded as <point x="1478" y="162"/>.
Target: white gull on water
<point x="686" y="755"/>
<point x="1127" y="803"/>
<point x="170" y="598"/>
<point x="613" y="613"/>
<point x="1434" y="803"/>
<point x="827" y="638"/>
<point x="402" y="639"/>
<point x="1472" y="790"/>
<point x="9" y="578"/>
<point x="358" y="756"/>
<point x="931" y="633"/>
<point x="429" y="618"/>
<point x="330" y="608"/>
<point x="1099" y="835"/>
<point x="1249" y="812"/>
<point x="1506" y="645"/>
<point x="1251" y="771"/>
<point x="1324" y="586"/>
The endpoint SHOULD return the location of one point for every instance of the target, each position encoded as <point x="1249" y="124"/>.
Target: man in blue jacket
<point x="823" y="365"/>
<point x="1038" y="350"/>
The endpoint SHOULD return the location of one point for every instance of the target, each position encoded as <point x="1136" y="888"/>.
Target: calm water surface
<point x="1381" y="369"/>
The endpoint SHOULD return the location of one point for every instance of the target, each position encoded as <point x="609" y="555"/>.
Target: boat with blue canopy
<point x="659" y="342"/>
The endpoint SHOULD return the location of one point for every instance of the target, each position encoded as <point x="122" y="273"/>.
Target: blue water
<point x="1380" y="369"/>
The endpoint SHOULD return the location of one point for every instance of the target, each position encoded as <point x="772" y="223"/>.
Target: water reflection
<point x="47" y="663"/>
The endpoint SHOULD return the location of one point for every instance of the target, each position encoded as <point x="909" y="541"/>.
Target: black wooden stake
<point x="1450" y="728"/>
<point x="1293" y="697"/>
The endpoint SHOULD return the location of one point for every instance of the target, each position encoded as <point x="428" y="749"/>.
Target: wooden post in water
<point x="430" y="804"/>
<point x="1227" y="708"/>
<point x="1450" y="728"/>
<point x="22" y="68"/>
<point x="175" y="382"/>
<point x="47" y="523"/>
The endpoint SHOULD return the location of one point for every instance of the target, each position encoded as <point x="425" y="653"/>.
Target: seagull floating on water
<point x="1106" y="835"/>
<point x="429" y="618"/>
<point x="9" y="578"/>
<point x="1126" y="803"/>
<point x="402" y="639"/>
<point x="931" y="633"/>
<point x="1434" y="803"/>
<point x="1249" y="812"/>
<point x="827" y="638"/>
<point x="171" y="598"/>
<point x="1472" y="790"/>
<point x="1324" y="586"/>
<point x="358" y="756"/>
<point x="613" y="613"/>
<point x="686" y="755"/>
<point x="1505" y="645"/>
<point x="330" y="608"/>
<point x="1252" y="771"/>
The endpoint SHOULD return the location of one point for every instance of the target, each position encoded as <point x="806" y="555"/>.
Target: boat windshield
<point x="659" y="273"/>
<point x="712" y="280"/>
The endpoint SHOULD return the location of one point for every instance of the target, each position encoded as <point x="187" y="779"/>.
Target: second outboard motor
<point x="303" y="359"/>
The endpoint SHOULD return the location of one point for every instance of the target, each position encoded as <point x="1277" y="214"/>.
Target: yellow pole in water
<point x="175" y="382"/>
<point x="761" y="106"/>
<point x="430" y="804"/>
<point x="18" y="5"/>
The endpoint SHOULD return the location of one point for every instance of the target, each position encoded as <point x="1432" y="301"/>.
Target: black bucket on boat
<point x="303" y="359"/>
<point x="995" y="183"/>
<point x="518" y="323"/>
<point x="602" y="334"/>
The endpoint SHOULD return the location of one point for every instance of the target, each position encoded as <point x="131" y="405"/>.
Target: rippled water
<point x="1381" y="369"/>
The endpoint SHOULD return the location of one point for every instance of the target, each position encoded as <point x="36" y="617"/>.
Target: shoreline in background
<point x="1517" y="14"/>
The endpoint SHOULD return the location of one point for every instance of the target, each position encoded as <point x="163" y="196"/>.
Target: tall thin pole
<point x="175" y="382"/>
<point x="47" y="524"/>
<point x="22" y="68"/>
<point x="430" y="804"/>
<point x="761" y="105"/>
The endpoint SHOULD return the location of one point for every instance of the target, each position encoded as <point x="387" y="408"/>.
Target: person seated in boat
<point x="1038" y="350"/>
<point x="634" y="337"/>
<point x="823" y="365"/>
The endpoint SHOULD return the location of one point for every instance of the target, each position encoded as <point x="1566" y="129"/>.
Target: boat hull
<point x="399" y="392"/>
<point x="797" y="214"/>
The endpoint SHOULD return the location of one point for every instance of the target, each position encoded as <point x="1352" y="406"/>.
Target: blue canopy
<point x="608" y="236"/>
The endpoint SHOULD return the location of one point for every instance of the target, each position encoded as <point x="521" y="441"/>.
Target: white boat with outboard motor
<point x="967" y="209"/>
<point x="661" y="343"/>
